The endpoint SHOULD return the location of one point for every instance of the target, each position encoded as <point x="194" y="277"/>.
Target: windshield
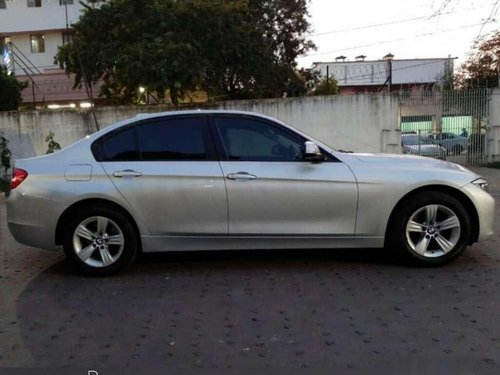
<point x="410" y="140"/>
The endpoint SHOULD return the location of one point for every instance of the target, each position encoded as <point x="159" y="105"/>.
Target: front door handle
<point x="127" y="173"/>
<point x="241" y="176"/>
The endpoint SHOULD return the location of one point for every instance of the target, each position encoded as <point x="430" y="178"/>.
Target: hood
<point x="409" y="161"/>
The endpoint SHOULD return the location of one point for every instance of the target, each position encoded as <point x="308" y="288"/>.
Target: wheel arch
<point x="455" y="193"/>
<point x="63" y="219"/>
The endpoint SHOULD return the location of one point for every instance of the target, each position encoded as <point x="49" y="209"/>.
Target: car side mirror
<point x="313" y="153"/>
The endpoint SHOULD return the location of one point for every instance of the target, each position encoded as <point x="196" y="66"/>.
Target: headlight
<point x="482" y="183"/>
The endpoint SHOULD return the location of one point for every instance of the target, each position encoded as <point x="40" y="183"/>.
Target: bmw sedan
<point x="212" y="180"/>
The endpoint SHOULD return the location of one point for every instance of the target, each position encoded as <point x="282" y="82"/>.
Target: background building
<point x="387" y="73"/>
<point x="30" y="33"/>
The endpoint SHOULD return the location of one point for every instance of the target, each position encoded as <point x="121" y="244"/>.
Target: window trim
<point x="43" y="41"/>
<point x="207" y="140"/>
<point x="221" y="151"/>
<point x="34" y="4"/>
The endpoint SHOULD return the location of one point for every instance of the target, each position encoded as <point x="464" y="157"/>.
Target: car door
<point x="167" y="170"/>
<point x="271" y="189"/>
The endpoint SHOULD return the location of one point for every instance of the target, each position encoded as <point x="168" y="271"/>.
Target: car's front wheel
<point x="431" y="228"/>
<point x="100" y="241"/>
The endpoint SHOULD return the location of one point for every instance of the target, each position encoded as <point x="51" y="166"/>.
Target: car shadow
<point x="376" y="256"/>
<point x="150" y="262"/>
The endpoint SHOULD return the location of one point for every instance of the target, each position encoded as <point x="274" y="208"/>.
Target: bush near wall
<point x="4" y="186"/>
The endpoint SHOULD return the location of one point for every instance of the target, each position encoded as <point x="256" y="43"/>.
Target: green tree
<point x="326" y="87"/>
<point x="10" y="91"/>
<point x="5" y="155"/>
<point x="231" y="48"/>
<point x="482" y="68"/>
<point x="52" y="145"/>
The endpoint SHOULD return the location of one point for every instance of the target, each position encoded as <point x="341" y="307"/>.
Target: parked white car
<point x="452" y="142"/>
<point x="417" y="145"/>
<point x="213" y="180"/>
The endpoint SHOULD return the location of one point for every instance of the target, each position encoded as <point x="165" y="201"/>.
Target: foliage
<point x="326" y="87"/>
<point x="445" y="80"/>
<point x="231" y="48"/>
<point x="53" y="146"/>
<point x="10" y="91"/>
<point x="5" y="155"/>
<point x="4" y="185"/>
<point x="482" y="68"/>
<point x="495" y="164"/>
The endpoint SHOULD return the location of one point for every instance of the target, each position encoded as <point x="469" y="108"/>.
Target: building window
<point x="67" y="38"/>
<point x="2" y="4"/>
<point x="37" y="43"/>
<point x="34" y="3"/>
<point x="65" y="2"/>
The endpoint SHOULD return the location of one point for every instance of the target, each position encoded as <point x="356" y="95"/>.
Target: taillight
<point x="18" y="176"/>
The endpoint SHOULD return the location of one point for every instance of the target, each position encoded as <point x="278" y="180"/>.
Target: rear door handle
<point x="241" y="176"/>
<point x="127" y="173"/>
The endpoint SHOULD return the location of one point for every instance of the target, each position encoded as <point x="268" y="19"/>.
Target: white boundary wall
<point x="494" y="127"/>
<point x="361" y="123"/>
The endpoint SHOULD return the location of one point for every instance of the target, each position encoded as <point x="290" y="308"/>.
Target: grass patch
<point x="495" y="164"/>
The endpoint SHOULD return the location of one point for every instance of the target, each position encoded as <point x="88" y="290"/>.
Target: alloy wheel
<point x="433" y="231"/>
<point x="98" y="241"/>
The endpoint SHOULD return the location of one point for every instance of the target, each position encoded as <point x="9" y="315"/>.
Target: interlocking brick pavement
<point x="301" y="309"/>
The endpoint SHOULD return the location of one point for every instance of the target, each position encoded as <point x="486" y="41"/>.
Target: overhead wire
<point x="375" y="25"/>
<point x="394" y="40"/>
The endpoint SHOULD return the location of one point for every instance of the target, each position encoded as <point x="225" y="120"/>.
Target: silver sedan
<point x="210" y="180"/>
<point x="417" y="145"/>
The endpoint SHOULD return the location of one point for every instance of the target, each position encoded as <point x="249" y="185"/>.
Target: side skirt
<point x="152" y="244"/>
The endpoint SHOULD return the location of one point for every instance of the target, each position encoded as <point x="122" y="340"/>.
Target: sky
<point x="406" y="28"/>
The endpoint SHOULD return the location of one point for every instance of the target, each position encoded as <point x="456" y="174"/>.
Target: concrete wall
<point x="363" y="123"/>
<point x="493" y="135"/>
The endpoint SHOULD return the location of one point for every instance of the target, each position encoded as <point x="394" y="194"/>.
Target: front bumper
<point x="485" y="207"/>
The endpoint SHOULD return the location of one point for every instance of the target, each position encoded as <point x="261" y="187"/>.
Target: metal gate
<point x="449" y="125"/>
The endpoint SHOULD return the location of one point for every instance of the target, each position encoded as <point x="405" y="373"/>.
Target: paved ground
<point x="355" y="309"/>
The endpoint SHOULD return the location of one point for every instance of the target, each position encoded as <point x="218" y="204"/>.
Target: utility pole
<point x="66" y="11"/>
<point x="389" y="74"/>
<point x="498" y="69"/>
<point x="328" y="80"/>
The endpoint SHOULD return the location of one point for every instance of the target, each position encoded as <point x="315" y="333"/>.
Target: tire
<point x="100" y="241"/>
<point x="409" y="225"/>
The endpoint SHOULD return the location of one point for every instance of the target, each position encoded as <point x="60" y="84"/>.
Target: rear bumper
<point x="32" y="220"/>
<point x="32" y="236"/>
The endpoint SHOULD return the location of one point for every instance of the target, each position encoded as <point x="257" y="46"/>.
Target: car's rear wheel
<point x="431" y="228"/>
<point x="100" y="241"/>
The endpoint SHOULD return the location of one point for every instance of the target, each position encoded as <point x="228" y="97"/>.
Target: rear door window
<point x="173" y="139"/>
<point x="121" y="146"/>
<point x="167" y="139"/>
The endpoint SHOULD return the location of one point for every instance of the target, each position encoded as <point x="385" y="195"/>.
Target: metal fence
<point x="450" y="125"/>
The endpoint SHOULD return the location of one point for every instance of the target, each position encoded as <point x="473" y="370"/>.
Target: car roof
<point x="108" y="129"/>
<point x="145" y="116"/>
<point x="199" y="111"/>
